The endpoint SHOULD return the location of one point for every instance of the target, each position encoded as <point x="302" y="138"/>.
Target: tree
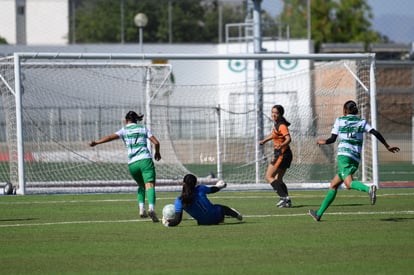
<point x="95" y="22"/>
<point x="353" y="17"/>
<point x="194" y="21"/>
<point x="154" y="10"/>
<point x="332" y="21"/>
<point x="188" y="22"/>
<point x="230" y="14"/>
<point x="269" y="26"/>
<point x="99" y="21"/>
<point x="3" y="40"/>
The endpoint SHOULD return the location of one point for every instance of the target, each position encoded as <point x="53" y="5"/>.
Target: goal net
<point x="312" y="96"/>
<point x="52" y="107"/>
<point x="66" y="103"/>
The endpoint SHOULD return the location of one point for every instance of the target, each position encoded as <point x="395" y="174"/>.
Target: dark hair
<point x="134" y="117"/>
<point x="281" y="111"/>
<point x="351" y="107"/>
<point x="187" y="193"/>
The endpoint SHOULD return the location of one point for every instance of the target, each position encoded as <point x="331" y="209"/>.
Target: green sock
<point x="357" y="185"/>
<point x="141" y="194"/>
<point x="151" y="195"/>
<point x="329" y="198"/>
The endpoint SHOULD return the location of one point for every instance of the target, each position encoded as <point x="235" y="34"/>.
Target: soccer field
<point x="102" y="234"/>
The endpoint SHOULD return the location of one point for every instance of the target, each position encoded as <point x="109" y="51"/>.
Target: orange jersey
<point x="279" y="136"/>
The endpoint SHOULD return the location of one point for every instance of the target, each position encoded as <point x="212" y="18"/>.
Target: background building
<point x="34" y="22"/>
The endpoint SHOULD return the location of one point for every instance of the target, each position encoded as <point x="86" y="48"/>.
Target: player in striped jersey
<point x="140" y="162"/>
<point x="350" y="130"/>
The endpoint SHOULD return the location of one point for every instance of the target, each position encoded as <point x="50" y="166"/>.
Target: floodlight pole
<point x="258" y="89"/>
<point x="141" y="20"/>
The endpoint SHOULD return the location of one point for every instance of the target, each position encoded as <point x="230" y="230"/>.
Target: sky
<point x="393" y="18"/>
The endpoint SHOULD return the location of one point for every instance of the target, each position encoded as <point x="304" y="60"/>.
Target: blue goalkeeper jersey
<point x="201" y="209"/>
<point x="350" y="130"/>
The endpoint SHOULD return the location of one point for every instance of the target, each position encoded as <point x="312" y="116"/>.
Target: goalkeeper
<point x="194" y="201"/>
<point x="350" y="130"/>
<point x="140" y="163"/>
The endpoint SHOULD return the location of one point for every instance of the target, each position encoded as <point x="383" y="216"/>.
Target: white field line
<point x="269" y="195"/>
<point x="404" y="212"/>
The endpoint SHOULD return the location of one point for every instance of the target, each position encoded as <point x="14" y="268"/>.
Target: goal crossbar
<point x="158" y="56"/>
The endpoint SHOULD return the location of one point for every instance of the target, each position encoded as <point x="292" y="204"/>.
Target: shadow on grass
<point x="353" y="204"/>
<point x="295" y="206"/>
<point x="21" y="219"/>
<point x="318" y="205"/>
<point x="396" y="219"/>
<point x="228" y="223"/>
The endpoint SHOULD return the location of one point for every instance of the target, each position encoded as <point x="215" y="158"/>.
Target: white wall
<point x="292" y="87"/>
<point x="47" y="21"/>
<point x="8" y="21"/>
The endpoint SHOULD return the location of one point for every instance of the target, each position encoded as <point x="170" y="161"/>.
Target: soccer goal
<point x="53" y="104"/>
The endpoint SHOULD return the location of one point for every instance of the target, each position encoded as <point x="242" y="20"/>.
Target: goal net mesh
<point x="66" y="103"/>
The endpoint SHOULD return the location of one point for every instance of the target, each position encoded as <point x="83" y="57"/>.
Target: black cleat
<point x="286" y="203"/>
<point x="143" y="213"/>
<point x="238" y="215"/>
<point x="373" y="194"/>
<point x="153" y="216"/>
<point x="314" y="215"/>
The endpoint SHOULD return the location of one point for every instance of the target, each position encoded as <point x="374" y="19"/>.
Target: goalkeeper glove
<point x="221" y="184"/>
<point x="165" y="221"/>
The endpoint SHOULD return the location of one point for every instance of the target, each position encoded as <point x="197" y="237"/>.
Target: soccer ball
<point x="8" y="189"/>
<point x="168" y="211"/>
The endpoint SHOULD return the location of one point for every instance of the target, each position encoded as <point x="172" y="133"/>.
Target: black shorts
<point x="282" y="160"/>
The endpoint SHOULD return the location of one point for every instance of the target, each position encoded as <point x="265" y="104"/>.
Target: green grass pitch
<point x="102" y="234"/>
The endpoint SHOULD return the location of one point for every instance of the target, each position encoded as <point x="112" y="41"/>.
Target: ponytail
<point x="189" y="183"/>
<point x="133" y="117"/>
<point x="351" y="107"/>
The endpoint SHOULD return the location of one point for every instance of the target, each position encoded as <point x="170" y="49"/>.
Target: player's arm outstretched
<point x="330" y="140"/>
<point x="103" y="140"/>
<point x="378" y="135"/>
<point x="219" y="185"/>
<point x="392" y="149"/>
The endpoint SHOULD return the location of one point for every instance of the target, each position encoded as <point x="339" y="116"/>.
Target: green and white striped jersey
<point x="135" y="138"/>
<point x="350" y="130"/>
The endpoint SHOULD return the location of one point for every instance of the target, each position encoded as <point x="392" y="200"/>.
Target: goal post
<point x="53" y="106"/>
<point x="54" y="103"/>
<point x="373" y="102"/>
